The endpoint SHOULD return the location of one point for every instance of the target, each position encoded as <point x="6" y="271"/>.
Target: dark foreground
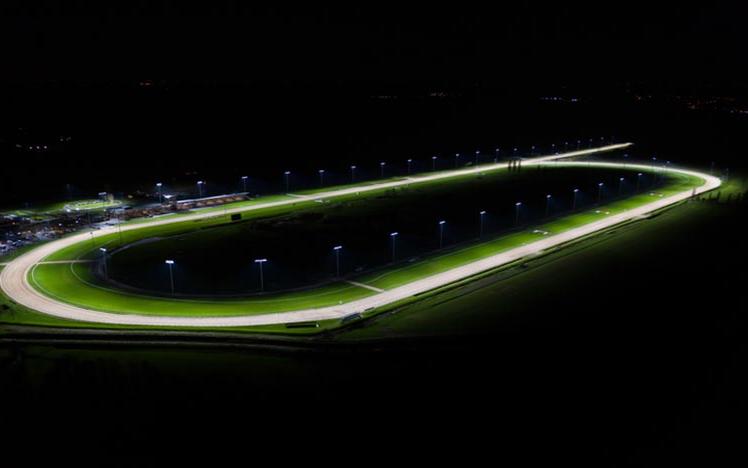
<point x="631" y="350"/>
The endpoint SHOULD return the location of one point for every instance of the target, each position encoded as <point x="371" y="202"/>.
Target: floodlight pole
<point x="106" y="270"/>
<point x="620" y="185"/>
<point x="353" y="173"/>
<point x="337" y="249"/>
<point x="287" y="174"/>
<point x="433" y="163"/>
<point x="409" y="163"/>
<point x="574" y="203"/>
<point x="547" y="205"/>
<point x="171" y="274"/>
<point x="321" y="177"/>
<point x="441" y="233"/>
<point x="159" y="186"/>
<point x="244" y="183"/>
<point x="381" y="168"/>
<point x="260" y="261"/>
<point x="393" y="235"/>
<point x="457" y="159"/>
<point x="599" y="192"/>
<point x="482" y="214"/>
<point x="638" y="181"/>
<point x="477" y="154"/>
<point x="516" y="215"/>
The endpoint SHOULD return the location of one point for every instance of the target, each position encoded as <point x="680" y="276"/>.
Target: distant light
<point x="337" y="247"/>
<point x="261" y="260"/>
<point x="159" y="184"/>
<point x="519" y="203"/>
<point x="600" y="184"/>
<point x="548" y="196"/>
<point x="433" y="157"/>
<point x="410" y="160"/>
<point x="442" y="222"/>
<point x="483" y="212"/>
<point x="353" y="167"/>
<point x="639" y="174"/>
<point x="287" y="173"/>
<point x="621" y="179"/>
<point x="382" y="163"/>
<point x="576" y="190"/>
<point x="393" y="234"/>
<point x="244" y="177"/>
<point x="169" y="262"/>
<point x="102" y="249"/>
<point x="321" y="171"/>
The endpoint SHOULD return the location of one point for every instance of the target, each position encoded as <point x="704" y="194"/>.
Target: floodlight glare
<point x="169" y="262"/>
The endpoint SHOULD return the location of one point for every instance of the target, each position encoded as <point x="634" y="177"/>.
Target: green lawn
<point x="73" y="283"/>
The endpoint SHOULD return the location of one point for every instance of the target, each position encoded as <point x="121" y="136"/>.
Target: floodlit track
<point x="15" y="283"/>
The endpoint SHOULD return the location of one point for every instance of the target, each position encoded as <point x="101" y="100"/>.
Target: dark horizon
<point x="671" y="46"/>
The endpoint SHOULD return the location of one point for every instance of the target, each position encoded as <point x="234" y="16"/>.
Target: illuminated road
<point x="14" y="277"/>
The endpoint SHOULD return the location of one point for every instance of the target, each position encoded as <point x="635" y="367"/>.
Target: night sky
<point x="237" y="41"/>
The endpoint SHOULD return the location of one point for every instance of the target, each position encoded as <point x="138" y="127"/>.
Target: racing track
<point x="14" y="277"/>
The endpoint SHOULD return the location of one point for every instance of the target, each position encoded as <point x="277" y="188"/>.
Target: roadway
<point x="14" y="277"/>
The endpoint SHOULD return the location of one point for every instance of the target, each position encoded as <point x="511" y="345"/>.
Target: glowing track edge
<point x="15" y="284"/>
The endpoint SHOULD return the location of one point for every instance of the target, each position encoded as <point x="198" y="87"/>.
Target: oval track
<point x="15" y="284"/>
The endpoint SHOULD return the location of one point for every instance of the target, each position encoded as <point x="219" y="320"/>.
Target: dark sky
<point x="237" y="41"/>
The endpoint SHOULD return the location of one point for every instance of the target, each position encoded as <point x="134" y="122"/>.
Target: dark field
<point x="299" y="245"/>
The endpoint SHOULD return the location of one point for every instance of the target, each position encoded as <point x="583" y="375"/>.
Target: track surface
<point x="14" y="277"/>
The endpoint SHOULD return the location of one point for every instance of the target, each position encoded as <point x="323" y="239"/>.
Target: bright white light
<point x="337" y="247"/>
<point x="393" y="234"/>
<point x="442" y="222"/>
<point x="169" y="262"/>
<point x="261" y="260"/>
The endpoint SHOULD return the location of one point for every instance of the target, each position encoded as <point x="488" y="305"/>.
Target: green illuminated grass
<point x="74" y="283"/>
